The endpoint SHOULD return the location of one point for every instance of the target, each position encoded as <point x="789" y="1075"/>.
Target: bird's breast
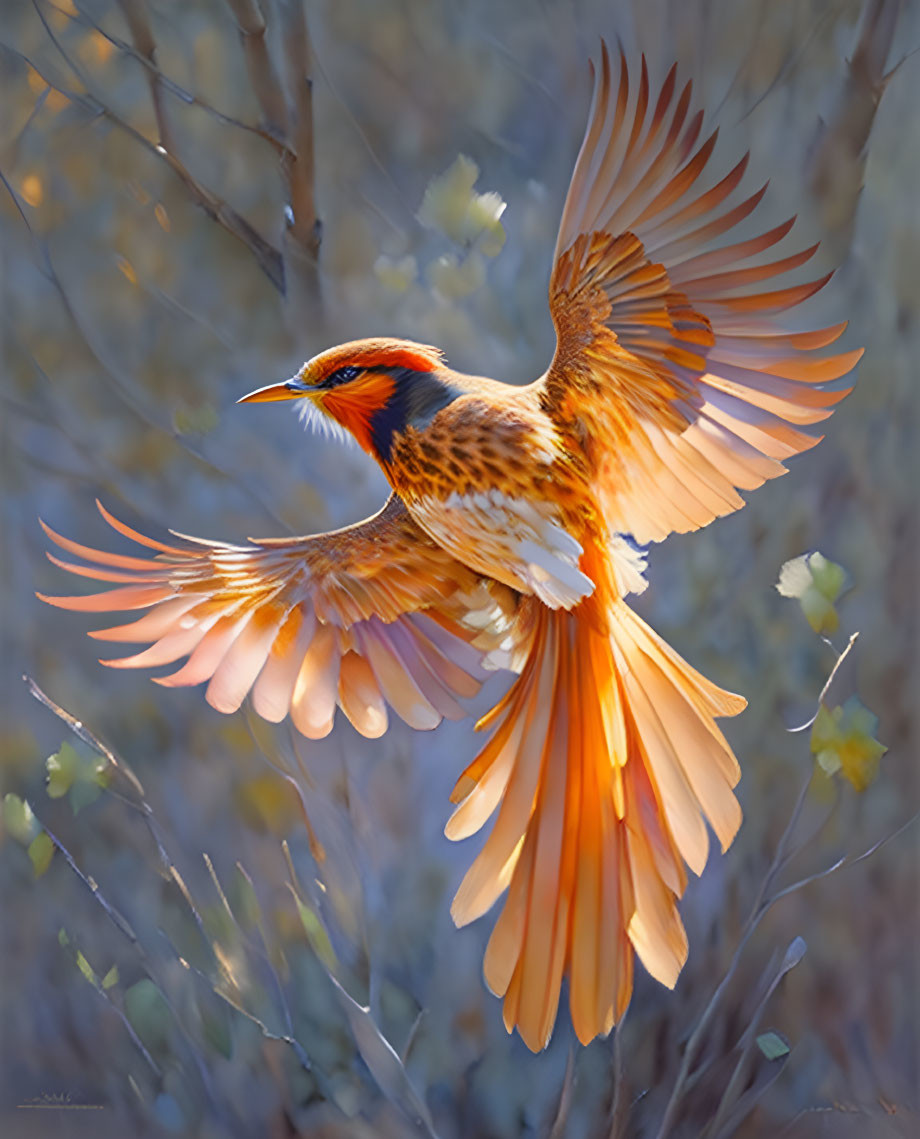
<point x="488" y="480"/>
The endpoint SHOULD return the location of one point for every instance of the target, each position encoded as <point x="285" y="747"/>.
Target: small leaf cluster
<point x="452" y="205"/>
<point x="817" y="583"/>
<point x="843" y="739"/>
<point x="20" y="823"/>
<point x="470" y="220"/>
<point x="80" y="776"/>
<point x="842" y="736"/>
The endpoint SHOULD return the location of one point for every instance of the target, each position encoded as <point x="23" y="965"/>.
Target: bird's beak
<point x="290" y="389"/>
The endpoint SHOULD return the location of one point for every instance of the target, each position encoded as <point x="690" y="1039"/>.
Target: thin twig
<point x="412" y="1036"/>
<point x="80" y="730"/>
<point x="117" y="919"/>
<point x="842" y="863"/>
<point x="617" y="1119"/>
<point x="736" y="1083"/>
<point x="176" y="89"/>
<point x="316" y="847"/>
<point x="102" y="992"/>
<point x="763" y="905"/>
<point x="135" y="14"/>
<point x="753" y="920"/>
<point x="827" y="684"/>
<point x="139" y="804"/>
<point x="121" y="924"/>
<point x="50" y="273"/>
<point x="292" y="1042"/>
<point x="268" y="257"/>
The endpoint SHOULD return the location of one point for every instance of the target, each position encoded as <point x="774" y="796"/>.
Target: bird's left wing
<point x="363" y="617"/>
<point x="673" y="368"/>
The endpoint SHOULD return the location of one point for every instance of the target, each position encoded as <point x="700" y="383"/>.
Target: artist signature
<point x="58" y="1101"/>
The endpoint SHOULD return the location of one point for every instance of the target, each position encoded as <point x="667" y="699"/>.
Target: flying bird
<point x="516" y="530"/>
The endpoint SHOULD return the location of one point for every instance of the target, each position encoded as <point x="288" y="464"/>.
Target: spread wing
<point x="373" y="615"/>
<point x="671" y="365"/>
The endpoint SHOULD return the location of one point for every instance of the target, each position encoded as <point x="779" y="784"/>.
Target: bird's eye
<point x="349" y="372"/>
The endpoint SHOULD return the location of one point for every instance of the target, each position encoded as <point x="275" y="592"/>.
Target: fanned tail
<point x="603" y="763"/>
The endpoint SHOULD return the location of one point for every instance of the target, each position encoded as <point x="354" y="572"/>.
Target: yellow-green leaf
<point x="816" y="582"/>
<point x="79" y="775"/>
<point x="843" y="739"/>
<point x="111" y="978"/>
<point x="87" y="970"/>
<point x="19" y="819"/>
<point x="41" y="850"/>
<point x="794" y="577"/>
<point x="316" y="935"/>
<point x="62" y="769"/>
<point x="828" y="577"/>
<point x="452" y="205"/>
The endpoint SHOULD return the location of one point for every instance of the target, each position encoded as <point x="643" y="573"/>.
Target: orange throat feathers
<point x="354" y="405"/>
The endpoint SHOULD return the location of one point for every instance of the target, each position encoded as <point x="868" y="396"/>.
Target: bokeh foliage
<point x="305" y="977"/>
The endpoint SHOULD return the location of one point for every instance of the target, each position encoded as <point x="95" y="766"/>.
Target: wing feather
<point x="671" y="368"/>
<point x="360" y="617"/>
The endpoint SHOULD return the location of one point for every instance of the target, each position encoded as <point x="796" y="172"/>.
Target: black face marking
<point x="341" y="375"/>
<point x="418" y="397"/>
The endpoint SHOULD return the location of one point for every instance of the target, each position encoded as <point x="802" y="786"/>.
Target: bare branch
<point x="304" y="231"/>
<point x="316" y="847"/>
<point x="135" y="13"/>
<point x="262" y="73"/>
<point x="172" y="871"/>
<point x="758" y="910"/>
<point x="837" y="162"/>
<point x="736" y="1084"/>
<point x="184" y="96"/>
<point x="117" y="919"/>
<point x="301" y="168"/>
<point x="843" y="863"/>
<point x="124" y="393"/>
<point x="83" y="733"/>
<point x="268" y="257"/>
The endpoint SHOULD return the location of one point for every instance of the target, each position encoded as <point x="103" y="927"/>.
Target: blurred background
<point x="184" y="218"/>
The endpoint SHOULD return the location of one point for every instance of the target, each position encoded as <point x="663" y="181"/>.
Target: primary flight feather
<point x="513" y="538"/>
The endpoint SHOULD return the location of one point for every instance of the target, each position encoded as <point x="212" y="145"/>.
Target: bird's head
<point x="372" y="389"/>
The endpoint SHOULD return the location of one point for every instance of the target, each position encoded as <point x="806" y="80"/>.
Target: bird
<point x="518" y="528"/>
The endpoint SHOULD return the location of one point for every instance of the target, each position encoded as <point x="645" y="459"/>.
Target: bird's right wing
<point x="372" y="615"/>
<point x="674" y="370"/>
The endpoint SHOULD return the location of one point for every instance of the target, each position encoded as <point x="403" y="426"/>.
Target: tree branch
<point x="262" y="75"/>
<point x="304" y="231"/>
<point x="135" y="13"/>
<point x="268" y="257"/>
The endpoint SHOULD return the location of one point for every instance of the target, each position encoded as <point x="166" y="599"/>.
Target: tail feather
<point x="604" y="761"/>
